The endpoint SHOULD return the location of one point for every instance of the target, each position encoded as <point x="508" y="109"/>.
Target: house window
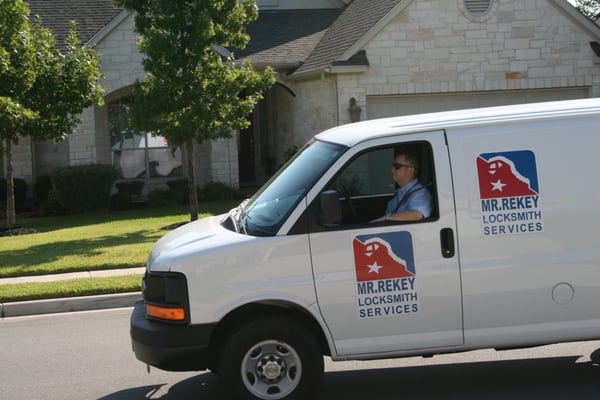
<point x="136" y="154"/>
<point x="478" y="10"/>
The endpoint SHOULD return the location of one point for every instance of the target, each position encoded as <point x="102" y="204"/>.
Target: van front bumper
<point x="167" y="346"/>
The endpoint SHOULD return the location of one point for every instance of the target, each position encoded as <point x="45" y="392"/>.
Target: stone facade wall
<point x="435" y="47"/>
<point x="21" y="162"/>
<point x="224" y="162"/>
<point x="121" y="65"/>
<point x="299" y="118"/>
<point x="49" y="155"/>
<point x="351" y="86"/>
<point x="431" y="47"/>
<point x="82" y="141"/>
<point x="121" y="58"/>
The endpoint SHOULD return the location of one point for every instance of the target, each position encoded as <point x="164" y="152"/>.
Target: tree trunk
<point x="10" y="188"/>
<point x="193" y="194"/>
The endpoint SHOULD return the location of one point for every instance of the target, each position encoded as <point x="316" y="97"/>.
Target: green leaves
<point x="17" y="54"/>
<point x="190" y="92"/>
<point x="14" y="117"/>
<point x="44" y="91"/>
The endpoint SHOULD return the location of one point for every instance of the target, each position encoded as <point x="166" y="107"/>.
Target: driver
<point x="412" y="201"/>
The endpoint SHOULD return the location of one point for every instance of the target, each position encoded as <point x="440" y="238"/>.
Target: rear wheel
<point x="271" y="358"/>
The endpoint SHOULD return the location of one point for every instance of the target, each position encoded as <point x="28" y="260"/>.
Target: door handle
<point x="447" y="242"/>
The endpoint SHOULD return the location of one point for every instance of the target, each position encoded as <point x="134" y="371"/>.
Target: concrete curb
<point x="73" y="275"/>
<point x="83" y="303"/>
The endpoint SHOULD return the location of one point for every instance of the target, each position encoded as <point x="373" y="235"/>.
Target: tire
<point x="271" y="358"/>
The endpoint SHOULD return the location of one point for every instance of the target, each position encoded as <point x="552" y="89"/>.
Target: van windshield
<point x="266" y="211"/>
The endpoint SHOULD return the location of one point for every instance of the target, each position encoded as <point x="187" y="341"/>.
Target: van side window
<point x="367" y="183"/>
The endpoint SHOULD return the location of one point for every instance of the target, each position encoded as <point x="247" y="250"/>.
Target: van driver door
<point x="388" y="287"/>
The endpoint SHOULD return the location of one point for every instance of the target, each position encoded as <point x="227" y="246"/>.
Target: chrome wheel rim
<point x="271" y="369"/>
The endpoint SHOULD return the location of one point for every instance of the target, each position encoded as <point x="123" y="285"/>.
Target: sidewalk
<point x="82" y="303"/>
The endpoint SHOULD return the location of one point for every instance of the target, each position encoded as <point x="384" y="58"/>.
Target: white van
<point x="508" y="257"/>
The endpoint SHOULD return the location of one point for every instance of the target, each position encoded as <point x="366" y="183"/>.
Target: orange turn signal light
<point x="168" y="313"/>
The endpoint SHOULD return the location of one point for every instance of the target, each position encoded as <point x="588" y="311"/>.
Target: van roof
<point x="351" y="134"/>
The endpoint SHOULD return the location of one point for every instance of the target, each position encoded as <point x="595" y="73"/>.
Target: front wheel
<point x="271" y="358"/>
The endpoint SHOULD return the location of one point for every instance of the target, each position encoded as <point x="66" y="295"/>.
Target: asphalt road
<point x="87" y="355"/>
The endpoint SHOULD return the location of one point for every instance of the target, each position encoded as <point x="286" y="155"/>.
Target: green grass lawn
<point x="91" y="242"/>
<point x="70" y="288"/>
<point x="84" y="243"/>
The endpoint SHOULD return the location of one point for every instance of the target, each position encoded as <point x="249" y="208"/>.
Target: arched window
<point x="136" y="154"/>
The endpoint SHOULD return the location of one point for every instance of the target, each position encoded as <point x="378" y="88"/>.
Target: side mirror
<point x="330" y="213"/>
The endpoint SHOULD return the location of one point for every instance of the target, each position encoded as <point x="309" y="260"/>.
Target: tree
<point x="191" y="92"/>
<point x="42" y="91"/>
<point x="590" y="8"/>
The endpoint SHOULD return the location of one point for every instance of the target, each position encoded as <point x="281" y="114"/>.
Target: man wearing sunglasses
<point x="412" y="201"/>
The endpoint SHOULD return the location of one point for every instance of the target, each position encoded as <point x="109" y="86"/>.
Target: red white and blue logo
<point x="509" y="192"/>
<point x="385" y="274"/>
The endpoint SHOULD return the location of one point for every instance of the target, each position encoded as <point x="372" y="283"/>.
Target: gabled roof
<point x="286" y="38"/>
<point x="311" y="40"/>
<point x="91" y="16"/>
<point x="307" y="41"/>
<point x="344" y="41"/>
<point x="357" y="19"/>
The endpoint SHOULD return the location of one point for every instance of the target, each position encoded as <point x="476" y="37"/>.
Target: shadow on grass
<point x="56" y="222"/>
<point x="51" y="223"/>
<point x="34" y="259"/>
<point x="28" y="261"/>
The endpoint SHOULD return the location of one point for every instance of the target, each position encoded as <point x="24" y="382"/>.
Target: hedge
<point x="83" y="188"/>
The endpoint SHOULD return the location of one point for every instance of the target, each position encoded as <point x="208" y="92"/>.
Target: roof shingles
<point x="309" y="40"/>
<point x="286" y="37"/>
<point x="354" y="22"/>
<point x="91" y="16"/>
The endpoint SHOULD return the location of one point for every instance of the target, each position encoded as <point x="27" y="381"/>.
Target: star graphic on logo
<point x="498" y="185"/>
<point x="374" y="267"/>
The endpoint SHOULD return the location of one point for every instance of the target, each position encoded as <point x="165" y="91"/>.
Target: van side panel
<point x="528" y="209"/>
<point x="369" y="315"/>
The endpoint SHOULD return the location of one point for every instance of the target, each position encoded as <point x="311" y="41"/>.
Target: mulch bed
<point x="17" y="231"/>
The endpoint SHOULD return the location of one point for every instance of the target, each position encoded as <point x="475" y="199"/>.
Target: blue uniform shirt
<point x="419" y="199"/>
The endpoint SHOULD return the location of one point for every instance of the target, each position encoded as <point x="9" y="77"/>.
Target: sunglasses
<point x="398" y="165"/>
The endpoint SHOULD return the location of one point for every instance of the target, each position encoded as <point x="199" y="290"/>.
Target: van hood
<point x="196" y="237"/>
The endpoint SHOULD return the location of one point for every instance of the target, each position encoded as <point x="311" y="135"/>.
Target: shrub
<point x="51" y="206"/>
<point x="131" y="188"/>
<point x="119" y="201"/>
<point x="84" y="187"/>
<point x="20" y="193"/>
<point x="219" y="191"/>
<point x="128" y="194"/>
<point x="178" y="189"/>
<point x="161" y="198"/>
<point x="41" y="188"/>
<point x="178" y="184"/>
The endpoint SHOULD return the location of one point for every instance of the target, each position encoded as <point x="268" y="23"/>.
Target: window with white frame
<point x="135" y="154"/>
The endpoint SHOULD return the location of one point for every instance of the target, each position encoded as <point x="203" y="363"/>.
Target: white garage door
<point x="389" y="106"/>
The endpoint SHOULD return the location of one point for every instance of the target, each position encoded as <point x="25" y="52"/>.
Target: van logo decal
<point x="385" y="275"/>
<point x="509" y="193"/>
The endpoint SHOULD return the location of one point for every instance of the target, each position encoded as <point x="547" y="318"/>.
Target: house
<point x="337" y="61"/>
